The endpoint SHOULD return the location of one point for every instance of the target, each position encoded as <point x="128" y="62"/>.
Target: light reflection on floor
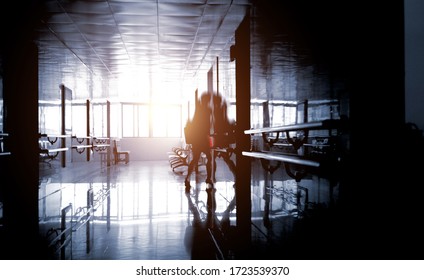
<point x="142" y="211"/>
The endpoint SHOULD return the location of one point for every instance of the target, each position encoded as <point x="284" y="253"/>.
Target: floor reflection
<point x="141" y="211"/>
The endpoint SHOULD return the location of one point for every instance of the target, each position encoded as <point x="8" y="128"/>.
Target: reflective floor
<point x="140" y="210"/>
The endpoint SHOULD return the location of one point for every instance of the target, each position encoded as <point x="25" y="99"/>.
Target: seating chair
<point x="118" y="155"/>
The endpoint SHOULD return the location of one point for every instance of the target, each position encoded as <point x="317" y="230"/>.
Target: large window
<point x="126" y="119"/>
<point x="99" y="120"/>
<point x="166" y="121"/>
<point x="49" y="117"/>
<point x="79" y="119"/>
<point x="145" y="120"/>
<point x="135" y="120"/>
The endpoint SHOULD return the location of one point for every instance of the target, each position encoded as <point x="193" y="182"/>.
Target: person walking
<point x="199" y="135"/>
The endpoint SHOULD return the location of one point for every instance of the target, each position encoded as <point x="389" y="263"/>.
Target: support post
<point x="108" y="132"/>
<point x="243" y="170"/>
<point x="89" y="140"/>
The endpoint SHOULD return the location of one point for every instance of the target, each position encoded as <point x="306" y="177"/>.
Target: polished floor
<point x="141" y="210"/>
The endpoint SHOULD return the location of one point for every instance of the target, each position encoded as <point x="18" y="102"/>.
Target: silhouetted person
<point x="223" y="134"/>
<point x="200" y="133"/>
<point x="222" y="126"/>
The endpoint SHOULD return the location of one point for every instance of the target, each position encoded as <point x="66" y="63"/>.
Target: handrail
<point x="51" y="154"/>
<point x="54" y="135"/>
<point x="53" y="150"/>
<point x="81" y="146"/>
<point x="282" y="157"/>
<point x="52" y="138"/>
<point x="325" y="124"/>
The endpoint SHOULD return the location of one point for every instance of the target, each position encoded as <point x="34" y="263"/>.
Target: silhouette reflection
<point x="197" y="237"/>
<point x="209" y="235"/>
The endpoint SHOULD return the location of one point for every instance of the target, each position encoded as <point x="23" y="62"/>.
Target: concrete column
<point x="20" y="181"/>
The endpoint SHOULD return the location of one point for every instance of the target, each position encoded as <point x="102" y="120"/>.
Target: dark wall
<point x="354" y="52"/>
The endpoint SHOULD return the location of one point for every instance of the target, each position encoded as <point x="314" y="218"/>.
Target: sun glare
<point x="152" y="105"/>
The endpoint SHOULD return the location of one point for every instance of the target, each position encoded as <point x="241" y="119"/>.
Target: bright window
<point x="142" y="120"/>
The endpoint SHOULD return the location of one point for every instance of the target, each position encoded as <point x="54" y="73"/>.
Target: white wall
<point x="149" y="148"/>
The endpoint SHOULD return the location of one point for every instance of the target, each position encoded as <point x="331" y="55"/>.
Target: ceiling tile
<point x="109" y="37"/>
